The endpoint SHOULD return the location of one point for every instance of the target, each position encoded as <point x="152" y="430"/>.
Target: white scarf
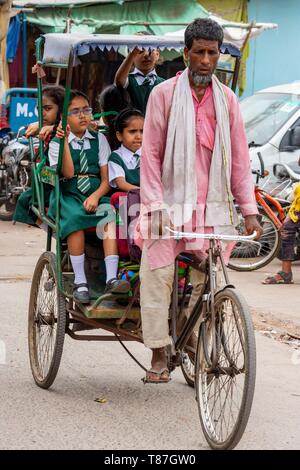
<point x="179" y="170"/>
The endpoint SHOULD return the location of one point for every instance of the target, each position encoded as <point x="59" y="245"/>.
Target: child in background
<point x="112" y="101"/>
<point x="288" y="235"/>
<point x="52" y="103"/>
<point x="124" y="163"/>
<point x="140" y="82"/>
<point x="85" y="182"/>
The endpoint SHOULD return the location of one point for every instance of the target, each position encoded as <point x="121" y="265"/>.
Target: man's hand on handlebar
<point x="251" y="225"/>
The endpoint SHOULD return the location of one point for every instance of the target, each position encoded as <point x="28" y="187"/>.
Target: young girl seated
<point x="52" y="103"/>
<point x="124" y="163"/>
<point x="85" y="182"/>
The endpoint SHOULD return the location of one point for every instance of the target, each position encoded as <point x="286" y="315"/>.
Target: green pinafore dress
<point x="23" y="212"/>
<point x="131" y="176"/>
<point x="73" y="216"/>
<point x="139" y="94"/>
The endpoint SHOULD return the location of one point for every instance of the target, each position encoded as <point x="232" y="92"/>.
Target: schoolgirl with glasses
<point x="83" y="188"/>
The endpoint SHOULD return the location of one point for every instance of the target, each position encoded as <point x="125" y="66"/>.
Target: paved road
<point x="136" y="416"/>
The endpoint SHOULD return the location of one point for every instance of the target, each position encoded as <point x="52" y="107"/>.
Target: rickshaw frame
<point x="213" y="341"/>
<point x="51" y="176"/>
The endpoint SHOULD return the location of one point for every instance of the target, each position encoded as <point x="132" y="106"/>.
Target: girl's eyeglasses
<point x="78" y="111"/>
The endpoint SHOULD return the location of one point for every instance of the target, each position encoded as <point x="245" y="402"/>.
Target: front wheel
<point x="188" y="367"/>
<point x="46" y="322"/>
<point x="255" y="254"/>
<point x="225" y="383"/>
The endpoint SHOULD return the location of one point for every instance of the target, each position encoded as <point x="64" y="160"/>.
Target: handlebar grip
<point x="262" y="165"/>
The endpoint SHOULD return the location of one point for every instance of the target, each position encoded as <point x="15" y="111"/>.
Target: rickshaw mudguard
<point x="227" y="286"/>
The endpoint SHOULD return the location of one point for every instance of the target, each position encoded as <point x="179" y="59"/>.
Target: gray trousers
<point x="155" y="292"/>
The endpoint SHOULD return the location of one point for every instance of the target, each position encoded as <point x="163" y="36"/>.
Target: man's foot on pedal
<point x="81" y="293"/>
<point x="117" y="286"/>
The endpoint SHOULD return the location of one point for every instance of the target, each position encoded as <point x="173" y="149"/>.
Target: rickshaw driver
<point x="195" y="155"/>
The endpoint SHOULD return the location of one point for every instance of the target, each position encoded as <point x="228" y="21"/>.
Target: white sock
<point x="111" y="264"/>
<point x="78" y="268"/>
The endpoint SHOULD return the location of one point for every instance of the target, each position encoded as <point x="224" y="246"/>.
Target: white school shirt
<point x="104" y="148"/>
<point x="140" y="77"/>
<point x="115" y="170"/>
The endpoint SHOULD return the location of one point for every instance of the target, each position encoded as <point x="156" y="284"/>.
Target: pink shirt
<point x="163" y="252"/>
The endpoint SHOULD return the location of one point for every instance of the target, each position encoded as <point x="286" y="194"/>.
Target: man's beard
<point x="199" y="79"/>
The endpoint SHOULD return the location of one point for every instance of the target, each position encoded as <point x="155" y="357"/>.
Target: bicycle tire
<point x="188" y="369"/>
<point x="233" y="371"/>
<point x="48" y="314"/>
<point x="269" y="245"/>
<point x="6" y="216"/>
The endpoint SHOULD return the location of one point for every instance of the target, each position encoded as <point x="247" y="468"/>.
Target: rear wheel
<point x="46" y="322"/>
<point x="254" y="254"/>
<point x="225" y="388"/>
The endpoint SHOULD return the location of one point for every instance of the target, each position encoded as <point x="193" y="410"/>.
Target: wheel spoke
<point x="253" y="255"/>
<point x="47" y="319"/>
<point x="222" y="388"/>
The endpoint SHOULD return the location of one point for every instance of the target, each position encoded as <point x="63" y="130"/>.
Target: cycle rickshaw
<point x="223" y="367"/>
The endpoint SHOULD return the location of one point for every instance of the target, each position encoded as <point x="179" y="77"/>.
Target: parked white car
<point x="272" y="121"/>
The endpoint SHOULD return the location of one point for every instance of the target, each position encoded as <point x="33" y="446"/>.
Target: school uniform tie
<point x="147" y="81"/>
<point x="137" y="158"/>
<point x="83" y="182"/>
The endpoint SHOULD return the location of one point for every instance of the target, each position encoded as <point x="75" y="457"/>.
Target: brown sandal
<point x="279" y="278"/>
<point x="157" y="376"/>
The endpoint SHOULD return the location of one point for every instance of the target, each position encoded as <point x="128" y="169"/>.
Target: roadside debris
<point x="101" y="400"/>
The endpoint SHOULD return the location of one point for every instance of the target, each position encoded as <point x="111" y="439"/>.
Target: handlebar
<point x="20" y="131"/>
<point x="260" y="173"/>
<point x="292" y="174"/>
<point x="262" y="164"/>
<point x="211" y="236"/>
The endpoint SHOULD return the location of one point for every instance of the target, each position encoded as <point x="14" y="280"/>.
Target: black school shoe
<point x="117" y="286"/>
<point x="81" y="296"/>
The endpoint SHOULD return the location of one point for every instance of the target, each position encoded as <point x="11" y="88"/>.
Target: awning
<point x="47" y="3"/>
<point x="234" y="33"/>
<point x="128" y="17"/>
<point x="58" y="46"/>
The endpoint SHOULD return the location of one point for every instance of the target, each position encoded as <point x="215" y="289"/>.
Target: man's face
<point x="202" y="60"/>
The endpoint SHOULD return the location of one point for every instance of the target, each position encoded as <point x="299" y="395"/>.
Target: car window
<point x="285" y="141"/>
<point x="265" y="113"/>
